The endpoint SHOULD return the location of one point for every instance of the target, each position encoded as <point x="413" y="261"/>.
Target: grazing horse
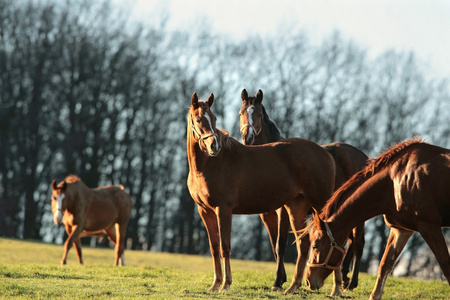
<point x="226" y="177"/>
<point x="91" y="212"/>
<point x="258" y="129"/>
<point x="409" y="184"/>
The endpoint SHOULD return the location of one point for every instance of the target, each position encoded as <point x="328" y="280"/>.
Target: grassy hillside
<point x="32" y="270"/>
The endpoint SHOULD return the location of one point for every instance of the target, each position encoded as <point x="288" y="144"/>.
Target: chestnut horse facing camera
<point x="226" y="177"/>
<point x="409" y="184"/>
<point x="91" y="212"/>
<point x="258" y="129"/>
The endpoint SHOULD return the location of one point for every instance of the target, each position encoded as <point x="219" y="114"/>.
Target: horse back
<point x="348" y="161"/>
<point x="107" y="205"/>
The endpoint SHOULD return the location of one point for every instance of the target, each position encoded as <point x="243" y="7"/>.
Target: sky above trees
<point x="375" y="25"/>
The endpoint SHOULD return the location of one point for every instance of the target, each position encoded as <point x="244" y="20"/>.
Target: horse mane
<point x="224" y="138"/>
<point x="375" y="165"/>
<point x="270" y="124"/>
<point x="72" y="178"/>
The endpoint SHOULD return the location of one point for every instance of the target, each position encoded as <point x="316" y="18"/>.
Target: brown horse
<point x="409" y="184"/>
<point x="258" y="129"/>
<point x="91" y="212"/>
<point x="226" y="177"/>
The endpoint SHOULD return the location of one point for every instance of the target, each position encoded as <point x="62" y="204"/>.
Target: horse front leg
<point x="297" y="210"/>
<point x="209" y="218"/>
<point x="77" y="244"/>
<point x="346" y="264"/>
<point x="337" y="282"/>
<point x="395" y="244"/>
<point x="224" y="217"/>
<point x="74" y="235"/>
<point x="358" y="247"/>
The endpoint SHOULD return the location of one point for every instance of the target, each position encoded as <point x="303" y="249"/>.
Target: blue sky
<point x="376" y="25"/>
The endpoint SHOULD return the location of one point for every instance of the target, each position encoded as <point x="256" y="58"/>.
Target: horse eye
<point x="198" y="121"/>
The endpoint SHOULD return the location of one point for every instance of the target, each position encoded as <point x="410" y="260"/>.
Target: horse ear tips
<point x="194" y="100"/>
<point x="259" y="96"/>
<point x="244" y="95"/>
<point x="210" y="99"/>
<point x="54" y="184"/>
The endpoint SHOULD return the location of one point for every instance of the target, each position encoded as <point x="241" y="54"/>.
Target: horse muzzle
<point x="314" y="284"/>
<point x="57" y="217"/>
<point x="212" y="144"/>
<point x="214" y="149"/>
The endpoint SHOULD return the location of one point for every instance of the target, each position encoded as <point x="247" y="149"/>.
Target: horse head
<point x="325" y="256"/>
<point x="251" y="116"/>
<point x="203" y="125"/>
<point x="58" y="205"/>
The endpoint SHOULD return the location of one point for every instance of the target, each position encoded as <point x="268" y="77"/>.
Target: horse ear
<point x="194" y="101"/>
<point x="210" y="100"/>
<point x="54" y="184"/>
<point x="63" y="188"/>
<point x="259" y="96"/>
<point x="244" y="95"/>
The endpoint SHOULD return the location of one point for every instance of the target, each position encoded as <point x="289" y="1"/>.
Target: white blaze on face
<point x="210" y="126"/>
<point x="58" y="213"/>
<point x="250" y="120"/>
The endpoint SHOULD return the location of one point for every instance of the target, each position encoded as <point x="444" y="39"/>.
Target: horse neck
<point x="267" y="135"/>
<point x="76" y="196"/>
<point x="370" y="198"/>
<point x="196" y="157"/>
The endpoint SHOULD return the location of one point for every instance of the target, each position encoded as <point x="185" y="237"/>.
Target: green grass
<point x="32" y="270"/>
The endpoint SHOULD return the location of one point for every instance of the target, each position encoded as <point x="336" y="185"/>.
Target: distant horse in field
<point x="91" y="212"/>
<point x="410" y="185"/>
<point x="226" y="177"/>
<point x="258" y="129"/>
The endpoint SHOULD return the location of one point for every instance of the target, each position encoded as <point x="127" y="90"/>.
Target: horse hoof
<point x="276" y="288"/>
<point x="214" y="288"/>
<point x="290" y="290"/>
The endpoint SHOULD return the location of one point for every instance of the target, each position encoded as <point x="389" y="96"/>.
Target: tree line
<point x="83" y="90"/>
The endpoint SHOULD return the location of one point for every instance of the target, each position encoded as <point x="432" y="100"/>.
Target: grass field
<point x="32" y="270"/>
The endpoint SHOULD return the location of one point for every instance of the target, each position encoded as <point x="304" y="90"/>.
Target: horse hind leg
<point x="278" y="238"/>
<point x="436" y="241"/>
<point x="283" y="233"/>
<point x="395" y="244"/>
<point x="297" y="210"/>
<point x="119" y="241"/>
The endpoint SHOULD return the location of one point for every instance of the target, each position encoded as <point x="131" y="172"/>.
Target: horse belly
<point x="99" y="218"/>
<point x="265" y="200"/>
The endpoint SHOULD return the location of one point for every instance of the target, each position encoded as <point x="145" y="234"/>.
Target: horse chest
<point x="202" y="193"/>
